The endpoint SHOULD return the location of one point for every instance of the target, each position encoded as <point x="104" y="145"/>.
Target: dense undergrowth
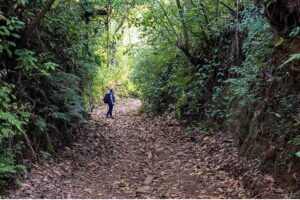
<point x="223" y="70"/>
<point x="45" y="74"/>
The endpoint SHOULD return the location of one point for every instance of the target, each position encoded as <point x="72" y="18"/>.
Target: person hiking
<point x="109" y="99"/>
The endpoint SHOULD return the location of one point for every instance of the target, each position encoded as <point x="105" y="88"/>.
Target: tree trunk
<point x="184" y="26"/>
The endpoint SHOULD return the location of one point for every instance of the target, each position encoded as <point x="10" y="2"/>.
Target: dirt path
<point x="134" y="156"/>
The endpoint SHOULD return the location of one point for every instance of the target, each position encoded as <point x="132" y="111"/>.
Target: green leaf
<point x="50" y="66"/>
<point x="291" y="58"/>
<point x="23" y="2"/>
<point x="15" y="35"/>
<point x="280" y="42"/>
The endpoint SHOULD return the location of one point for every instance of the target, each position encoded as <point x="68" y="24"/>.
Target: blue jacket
<point x="112" y="99"/>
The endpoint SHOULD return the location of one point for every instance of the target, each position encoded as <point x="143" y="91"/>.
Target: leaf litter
<point x="137" y="156"/>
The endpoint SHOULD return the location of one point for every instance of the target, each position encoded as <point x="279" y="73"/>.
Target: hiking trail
<point x="135" y="156"/>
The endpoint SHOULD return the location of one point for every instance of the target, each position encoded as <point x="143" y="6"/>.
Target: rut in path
<point x="134" y="156"/>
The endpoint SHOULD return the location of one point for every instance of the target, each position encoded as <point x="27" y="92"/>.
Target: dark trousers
<point x="110" y="110"/>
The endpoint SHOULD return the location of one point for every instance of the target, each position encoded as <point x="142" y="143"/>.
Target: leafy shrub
<point x="12" y="124"/>
<point x="45" y="78"/>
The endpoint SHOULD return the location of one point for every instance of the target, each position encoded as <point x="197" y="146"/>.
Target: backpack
<point x="106" y="98"/>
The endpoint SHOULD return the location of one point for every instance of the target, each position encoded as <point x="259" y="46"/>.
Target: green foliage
<point x="152" y="75"/>
<point x="52" y="74"/>
<point x="8" y="166"/>
<point x="297" y="123"/>
<point x="295" y="141"/>
<point x="45" y="154"/>
<point x="26" y="60"/>
<point x="12" y="119"/>
<point x="246" y="76"/>
<point x="185" y="78"/>
<point x="45" y="78"/>
<point x="12" y="124"/>
<point x="295" y="32"/>
<point x="292" y="58"/>
<point x="64" y="90"/>
<point x="10" y="29"/>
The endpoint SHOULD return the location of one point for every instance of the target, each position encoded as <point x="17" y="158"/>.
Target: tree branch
<point x="169" y="20"/>
<point x="33" y="25"/>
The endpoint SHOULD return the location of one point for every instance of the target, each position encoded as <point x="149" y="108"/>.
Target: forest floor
<point x="137" y="156"/>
